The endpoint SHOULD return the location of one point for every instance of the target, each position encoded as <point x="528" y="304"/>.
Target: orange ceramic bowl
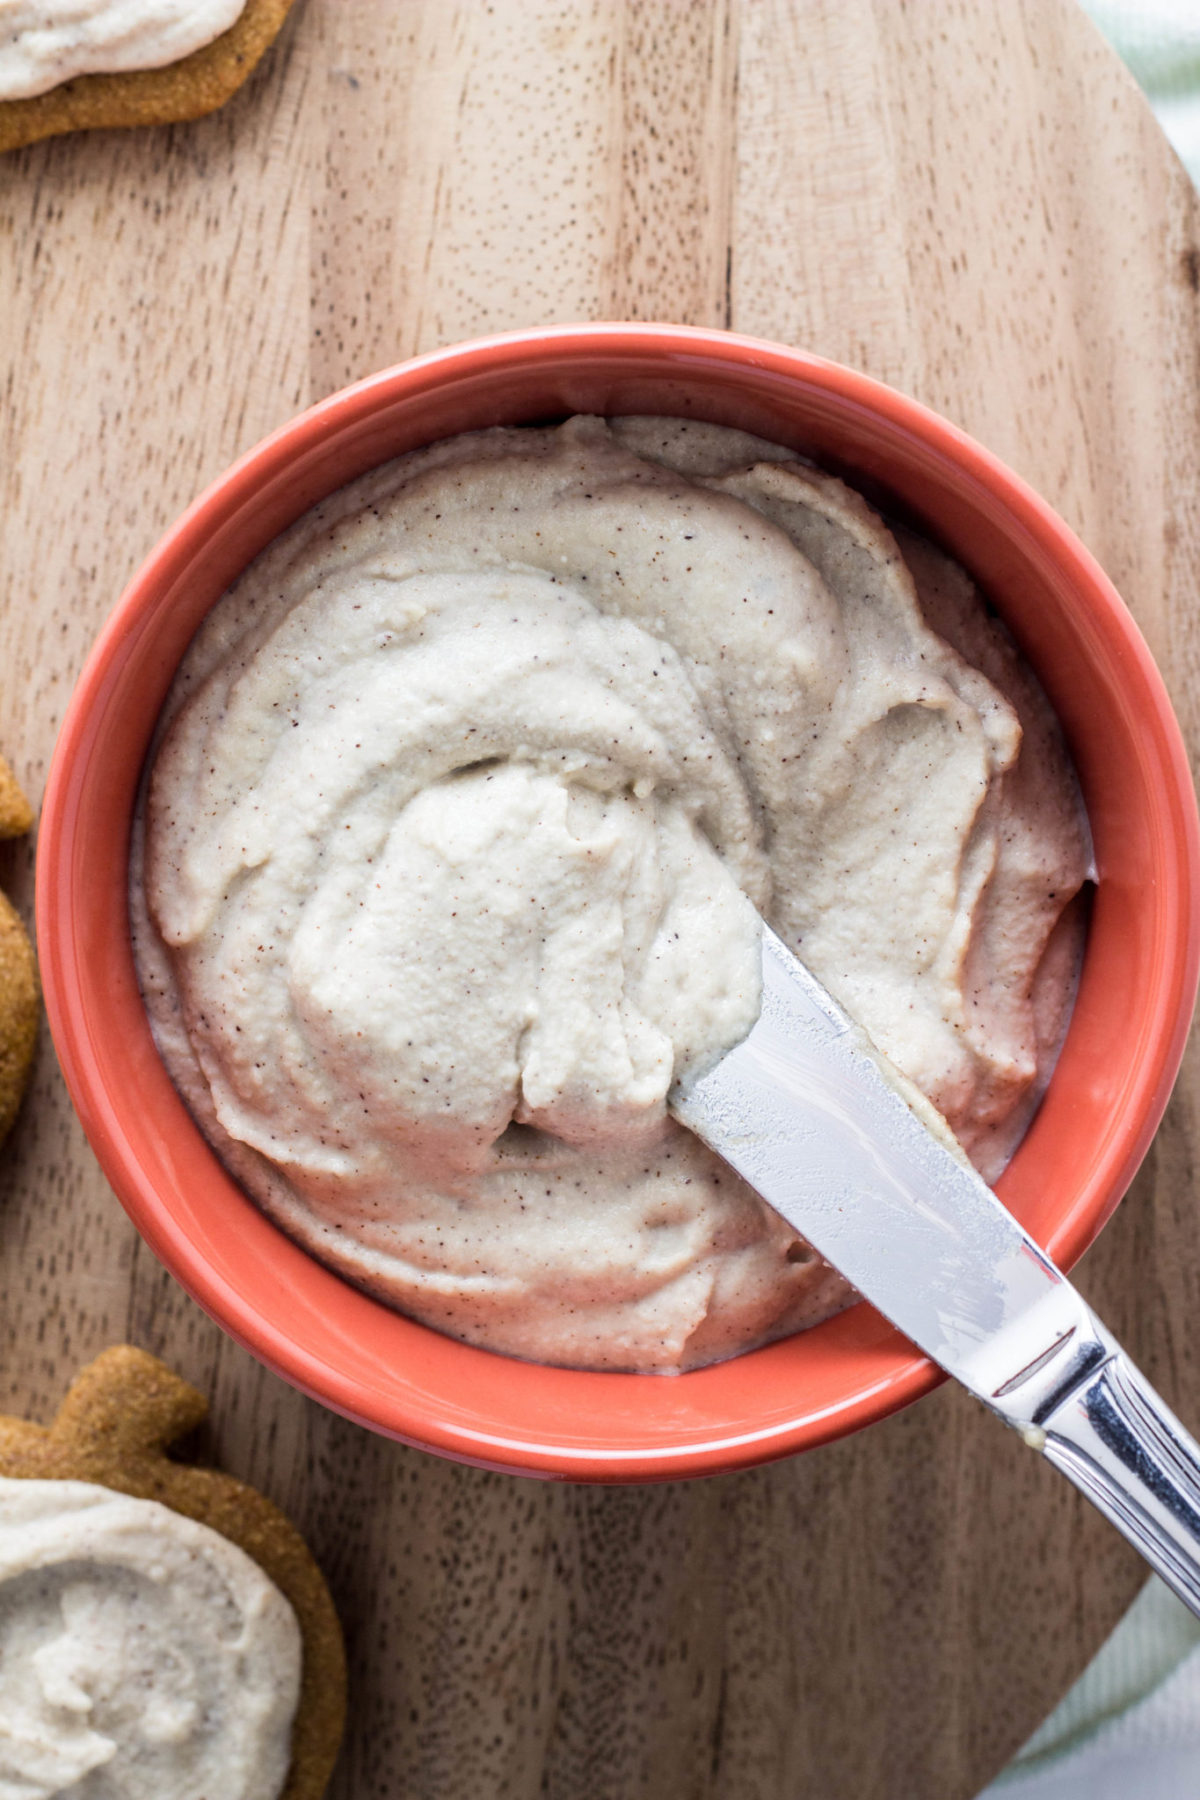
<point x="353" y="1354"/>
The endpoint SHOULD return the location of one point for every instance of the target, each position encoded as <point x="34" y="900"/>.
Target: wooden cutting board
<point x="968" y="199"/>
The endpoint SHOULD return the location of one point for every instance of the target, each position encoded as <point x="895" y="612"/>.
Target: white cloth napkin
<point x="1130" y="1727"/>
<point x="1159" y="41"/>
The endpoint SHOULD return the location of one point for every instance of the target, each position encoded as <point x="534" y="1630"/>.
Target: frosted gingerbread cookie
<point x="73" y="65"/>
<point x="164" y="1631"/>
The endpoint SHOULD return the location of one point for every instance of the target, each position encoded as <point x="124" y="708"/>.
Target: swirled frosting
<point x="142" y="1656"/>
<point x="471" y="787"/>
<point x="45" y="42"/>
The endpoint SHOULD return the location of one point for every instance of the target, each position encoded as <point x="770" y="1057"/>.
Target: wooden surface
<point x="968" y="199"/>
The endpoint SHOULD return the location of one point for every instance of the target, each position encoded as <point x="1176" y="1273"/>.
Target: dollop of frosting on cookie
<point x="142" y="1655"/>
<point x="45" y="42"/>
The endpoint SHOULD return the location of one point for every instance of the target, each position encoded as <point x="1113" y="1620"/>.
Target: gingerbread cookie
<point x="103" y="1604"/>
<point x="186" y="88"/>
<point x="20" y="998"/>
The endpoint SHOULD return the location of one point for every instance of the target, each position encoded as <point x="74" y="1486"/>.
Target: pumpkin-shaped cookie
<point x="112" y="1577"/>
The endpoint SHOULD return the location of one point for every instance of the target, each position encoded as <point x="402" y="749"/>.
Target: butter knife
<point x="815" y="1119"/>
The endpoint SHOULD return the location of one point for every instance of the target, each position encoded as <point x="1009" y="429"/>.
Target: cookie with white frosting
<point x="77" y="65"/>
<point x="164" y="1631"/>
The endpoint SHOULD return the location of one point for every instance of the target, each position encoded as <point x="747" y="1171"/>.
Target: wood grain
<point x="965" y="197"/>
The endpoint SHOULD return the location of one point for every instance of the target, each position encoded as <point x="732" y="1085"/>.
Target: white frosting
<point x="452" y="845"/>
<point x="45" y="42"/>
<point x="142" y="1656"/>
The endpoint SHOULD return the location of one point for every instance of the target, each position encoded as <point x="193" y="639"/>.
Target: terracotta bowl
<point x="353" y="1354"/>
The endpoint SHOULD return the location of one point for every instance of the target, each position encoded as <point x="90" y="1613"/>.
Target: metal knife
<point x="815" y="1119"/>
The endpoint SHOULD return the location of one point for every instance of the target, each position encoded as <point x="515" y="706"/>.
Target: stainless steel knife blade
<point x="815" y="1119"/>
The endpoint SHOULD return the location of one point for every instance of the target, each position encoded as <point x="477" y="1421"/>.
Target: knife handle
<point x="1122" y="1447"/>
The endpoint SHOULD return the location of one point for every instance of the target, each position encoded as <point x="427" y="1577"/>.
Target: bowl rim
<point x="902" y="1373"/>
